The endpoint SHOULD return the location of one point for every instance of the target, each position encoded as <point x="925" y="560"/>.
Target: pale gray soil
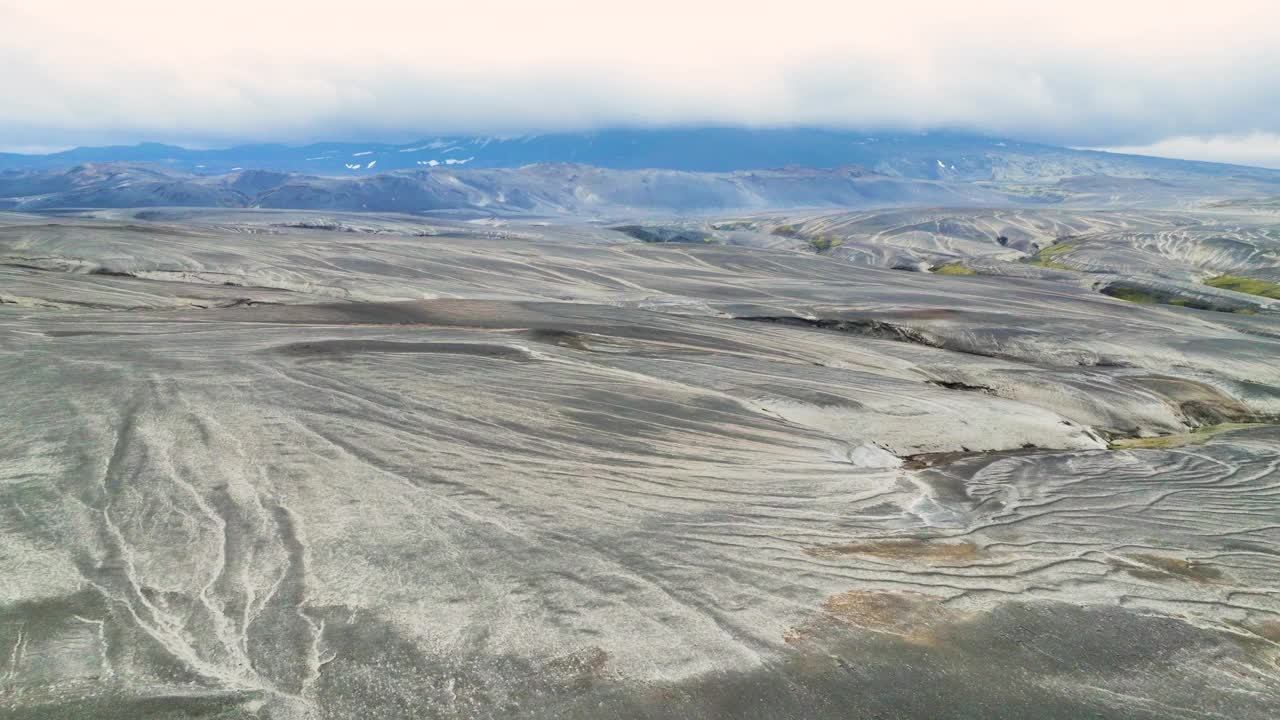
<point x="286" y="465"/>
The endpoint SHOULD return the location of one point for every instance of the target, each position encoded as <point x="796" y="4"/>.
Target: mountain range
<point x="623" y="172"/>
<point x="948" y="156"/>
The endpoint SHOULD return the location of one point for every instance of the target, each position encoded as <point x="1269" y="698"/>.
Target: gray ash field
<point x="948" y="463"/>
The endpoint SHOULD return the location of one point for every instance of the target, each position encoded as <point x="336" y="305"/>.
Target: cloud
<point x="1086" y="73"/>
<point x="1259" y="149"/>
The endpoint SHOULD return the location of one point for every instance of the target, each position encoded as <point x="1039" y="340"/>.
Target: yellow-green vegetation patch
<point x="1172" y="441"/>
<point x="1042" y="193"/>
<point x="1251" y="286"/>
<point x="1044" y="258"/>
<point x="953" y="269"/>
<point x="819" y="243"/>
<point x="825" y="243"/>
<point x="1153" y="297"/>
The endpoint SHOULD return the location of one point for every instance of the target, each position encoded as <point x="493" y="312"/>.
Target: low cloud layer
<point x="1260" y="149"/>
<point x="1089" y="73"/>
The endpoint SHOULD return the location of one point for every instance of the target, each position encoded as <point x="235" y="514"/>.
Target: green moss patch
<point x="1172" y="441"/>
<point x="1251" y="286"/>
<point x="819" y="243"/>
<point x="825" y="243"/>
<point x="953" y="269"/>
<point x="1045" y="257"/>
<point x="1142" y="296"/>
<point x="1133" y="295"/>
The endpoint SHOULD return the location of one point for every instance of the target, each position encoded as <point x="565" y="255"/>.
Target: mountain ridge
<point x="938" y="155"/>
<point x="566" y="189"/>
<point x="542" y="189"/>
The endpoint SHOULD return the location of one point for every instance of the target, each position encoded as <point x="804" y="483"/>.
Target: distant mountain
<point x="623" y="171"/>
<point x="547" y="189"/>
<point x="942" y="156"/>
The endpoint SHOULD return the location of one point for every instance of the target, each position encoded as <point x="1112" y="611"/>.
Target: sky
<point x="1181" y="78"/>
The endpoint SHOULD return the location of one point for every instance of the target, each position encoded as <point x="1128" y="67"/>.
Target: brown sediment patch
<point x="1200" y="403"/>
<point x="927" y="460"/>
<point x="795" y="635"/>
<point x="562" y="338"/>
<point x="921" y="461"/>
<point x="581" y="667"/>
<point x="917" y="618"/>
<point x="917" y="549"/>
<point x="1162" y="567"/>
<point x="1265" y="640"/>
<point x="1266" y="629"/>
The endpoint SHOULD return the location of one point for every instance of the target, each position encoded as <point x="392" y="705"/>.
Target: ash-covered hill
<point x="533" y="190"/>
<point x="585" y="190"/>
<point x="290" y="465"/>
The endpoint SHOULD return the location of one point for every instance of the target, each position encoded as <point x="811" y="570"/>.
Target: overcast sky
<point x="1196" y="78"/>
